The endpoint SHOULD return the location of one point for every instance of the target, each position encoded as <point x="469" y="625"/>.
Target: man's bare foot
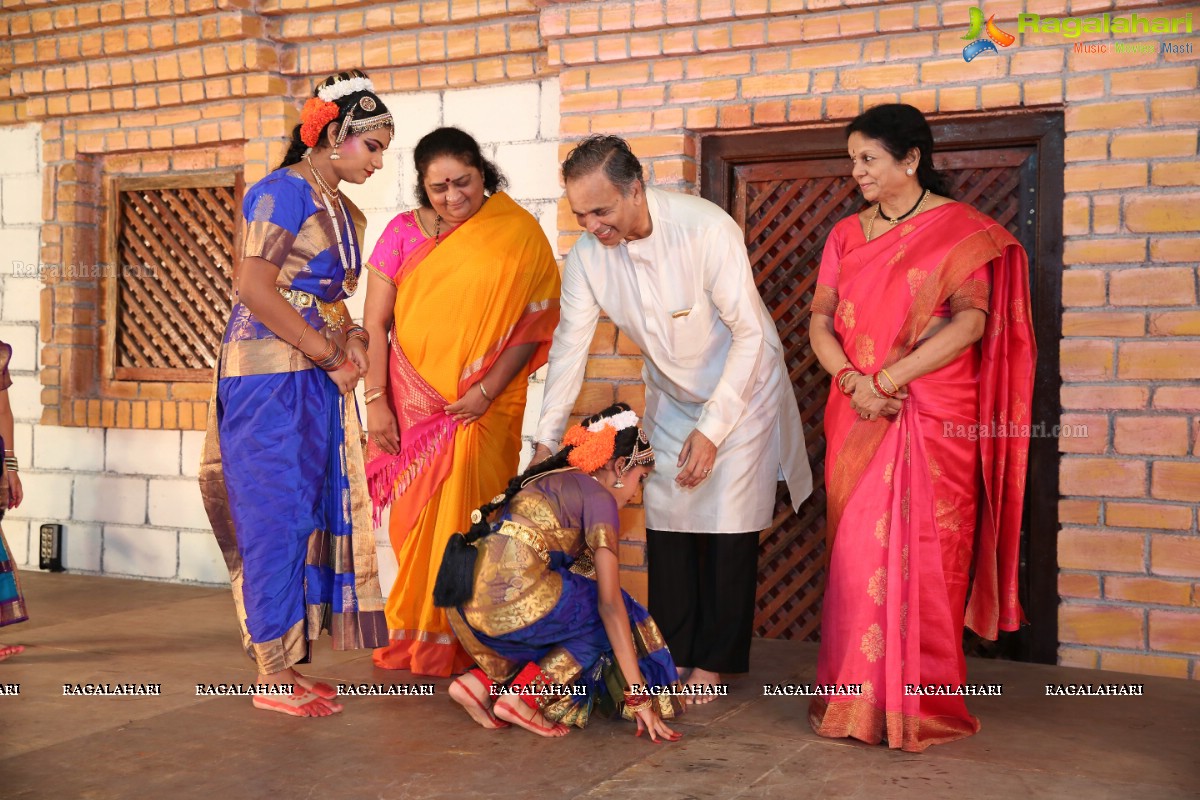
<point x="9" y="650"/>
<point x="300" y="703"/>
<point x="321" y="690"/>
<point x="699" y="680"/>
<point x="468" y="691"/>
<point x="514" y="710"/>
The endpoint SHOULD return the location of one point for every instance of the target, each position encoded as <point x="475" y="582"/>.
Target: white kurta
<point x="686" y="296"/>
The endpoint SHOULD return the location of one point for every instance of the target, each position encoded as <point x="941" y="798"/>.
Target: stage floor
<point x="178" y="745"/>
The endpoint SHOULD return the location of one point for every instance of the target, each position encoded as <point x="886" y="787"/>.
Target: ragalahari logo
<point x="994" y="36"/>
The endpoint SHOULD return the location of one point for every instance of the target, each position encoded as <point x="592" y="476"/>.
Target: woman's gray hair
<point x="610" y="153"/>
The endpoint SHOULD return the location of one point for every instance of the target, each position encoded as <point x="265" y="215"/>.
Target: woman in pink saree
<point x="921" y="314"/>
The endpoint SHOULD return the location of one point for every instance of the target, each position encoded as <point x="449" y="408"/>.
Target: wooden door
<point x="787" y="191"/>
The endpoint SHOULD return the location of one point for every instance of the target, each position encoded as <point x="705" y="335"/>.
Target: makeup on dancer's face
<point x="362" y="155"/>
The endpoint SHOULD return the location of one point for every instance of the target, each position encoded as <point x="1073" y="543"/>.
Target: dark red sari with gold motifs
<point x="927" y="504"/>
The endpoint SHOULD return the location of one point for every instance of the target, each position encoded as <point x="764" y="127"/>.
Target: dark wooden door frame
<point x="722" y="153"/>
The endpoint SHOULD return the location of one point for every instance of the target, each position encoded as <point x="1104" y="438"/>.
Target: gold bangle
<point x="303" y="333"/>
<point x="483" y="391"/>
<point x="895" y="386"/>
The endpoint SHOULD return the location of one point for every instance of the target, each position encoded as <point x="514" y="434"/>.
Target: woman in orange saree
<point x="468" y="287"/>
<point x="923" y="319"/>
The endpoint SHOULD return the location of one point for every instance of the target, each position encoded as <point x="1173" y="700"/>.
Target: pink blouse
<point x="401" y="236"/>
<point x="975" y="291"/>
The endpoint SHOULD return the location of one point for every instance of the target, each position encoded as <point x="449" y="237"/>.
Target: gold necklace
<point x="894" y="222"/>
<point x="347" y="251"/>
<point x="325" y="187"/>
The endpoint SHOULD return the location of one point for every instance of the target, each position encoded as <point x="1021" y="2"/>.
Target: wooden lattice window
<point x="171" y="242"/>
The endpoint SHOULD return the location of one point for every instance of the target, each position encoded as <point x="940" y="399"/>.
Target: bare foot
<point x="321" y="690"/>
<point x="514" y="710"/>
<point x="699" y="680"/>
<point x="469" y="693"/>
<point x="300" y="703"/>
<point x="9" y="650"/>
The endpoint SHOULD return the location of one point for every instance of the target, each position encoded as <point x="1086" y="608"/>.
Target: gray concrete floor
<point x="104" y="630"/>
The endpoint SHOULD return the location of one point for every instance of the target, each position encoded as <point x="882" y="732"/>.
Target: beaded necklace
<point x="349" y="262"/>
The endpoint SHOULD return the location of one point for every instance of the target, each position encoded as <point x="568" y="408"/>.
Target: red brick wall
<point x="662" y="72"/>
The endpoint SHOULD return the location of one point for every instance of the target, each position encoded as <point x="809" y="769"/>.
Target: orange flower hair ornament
<point x="592" y="447"/>
<point x="590" y="450"/>
<point x="315" y="115"/>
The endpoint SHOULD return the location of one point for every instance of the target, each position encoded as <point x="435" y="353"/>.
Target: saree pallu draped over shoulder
<point x="490" y="285"/>
<point x="927" y="504"/>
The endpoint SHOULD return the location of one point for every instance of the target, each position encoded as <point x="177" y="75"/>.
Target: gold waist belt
<point x="527" y="536"/>
<point x="330" y="312"/>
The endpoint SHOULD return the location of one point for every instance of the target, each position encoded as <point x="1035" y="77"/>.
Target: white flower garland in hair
<point x="626" y="419"/>
<point x="344" y="88"/>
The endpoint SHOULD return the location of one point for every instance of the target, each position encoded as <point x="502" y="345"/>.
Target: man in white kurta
<point x="671" y="271"/>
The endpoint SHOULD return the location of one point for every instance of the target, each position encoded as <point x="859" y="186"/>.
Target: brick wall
<point x="166" y="81"/>
<point x="661" y="73"/>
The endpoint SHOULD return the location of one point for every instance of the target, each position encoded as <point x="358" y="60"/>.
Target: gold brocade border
<point x="502" y="618"/>
<point x="366" y="564"/>
<point x="496" y="666"/>
<point x="268" y="241"/>
<point x="358" y="218"/>
<point x="972" y="294"/>
<point x="261" y="357"/>
<point x="282" y="653"/>
<point x="825" y="300"/>
<point x="216" y="504"/>
<point x="380" y="273"/>
<point x="424" y="637"/>
<point x="536" y="307"/>
<point x="527" y="536"/>
<point x="858" y="718"/>
<point x="603" y="534"/>
<point x="647" y="638"/>
<point x="561" y="669"/>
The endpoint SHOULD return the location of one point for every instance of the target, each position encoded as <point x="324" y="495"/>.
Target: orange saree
<point x="490" y="285"/>
<point x="927" y="504"/>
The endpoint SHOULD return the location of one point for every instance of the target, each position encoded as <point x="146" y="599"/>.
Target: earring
<point x="334" y="157"/>
<point x="908" y="172"/>
<point x="618" y="484"/>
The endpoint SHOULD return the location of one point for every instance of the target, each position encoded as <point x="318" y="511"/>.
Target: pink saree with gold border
<point x="925" y="506"/>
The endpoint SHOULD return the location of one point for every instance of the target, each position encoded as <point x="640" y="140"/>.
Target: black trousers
<point x="702" y="589"/>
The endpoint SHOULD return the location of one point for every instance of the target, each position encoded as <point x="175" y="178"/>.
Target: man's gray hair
<point x="610" y="153"/>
